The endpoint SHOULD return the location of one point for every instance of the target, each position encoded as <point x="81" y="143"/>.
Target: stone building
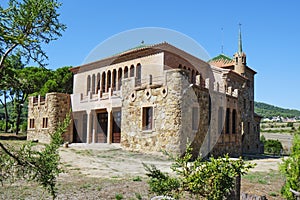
<point x="44" y="115"/>
<point x="158" y="97"/>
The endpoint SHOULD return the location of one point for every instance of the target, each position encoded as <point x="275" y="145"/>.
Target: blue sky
<point x="270" y="32"/>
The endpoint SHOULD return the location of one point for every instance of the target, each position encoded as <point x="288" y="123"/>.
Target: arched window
<point x="114" y="79"/>
<point x="234" y="121"/>
<point x="138" y="73"/>
<point x="108" y="80"/>
<point x="131" y="71"/>
<point x="93" y="83"/>
<point x="98" y="83"/>
<point x="119" y="78"/>
<point x="88" y="84"/>
<point x="180" y="66"/>
<point x="126" y="72"/>
<point x="103" y="82"/>
<point x="227" y="129"/>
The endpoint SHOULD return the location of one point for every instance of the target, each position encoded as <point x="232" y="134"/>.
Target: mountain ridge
<point x="267" y="111"/>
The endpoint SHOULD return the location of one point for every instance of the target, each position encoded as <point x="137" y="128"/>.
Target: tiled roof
<point x="221" y="61"/>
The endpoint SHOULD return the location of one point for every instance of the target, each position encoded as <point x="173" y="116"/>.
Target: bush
<point x="263" y="139"/>
<point x="273" y="146"/>
<point x="290" y="124"/>
<point x="213" y="179"/>
<point x="290" y="168"/>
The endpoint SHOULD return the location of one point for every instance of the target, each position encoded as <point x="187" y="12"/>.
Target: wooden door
<point x="101" y="134"/>
<point x="116" y="135"/>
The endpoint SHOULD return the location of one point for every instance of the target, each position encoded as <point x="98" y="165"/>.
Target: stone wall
<point x="166" y="103"/>
<point x="174" y="106"/>
<point x="54" y="108"/>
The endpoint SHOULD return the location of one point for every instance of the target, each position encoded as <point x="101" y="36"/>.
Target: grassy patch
<point x="263" y="177"/>
<point x="137" y="178"/>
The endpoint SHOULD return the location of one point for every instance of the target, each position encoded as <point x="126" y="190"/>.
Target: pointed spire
<point x="240" y="48"/>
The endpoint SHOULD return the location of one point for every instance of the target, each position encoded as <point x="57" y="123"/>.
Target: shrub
<point x="213" y="179"/>
<point x="119" y="196"/>
<point x="273" y="147"/>
<point x="263" y="139"/>
<point x="290" y="124"/>
<point x="290" y="168"/>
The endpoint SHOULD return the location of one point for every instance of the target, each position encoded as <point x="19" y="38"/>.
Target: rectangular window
<point x="195" y="118"/>
<point x="220" y="120"/>
<point x="45" y="122"/>
<point x="147" y="118"/>
<point x="31" y="123"/>
<point x="248" y="127"/>
<point x="234" y="121"/>
<point x="227" y="120"/>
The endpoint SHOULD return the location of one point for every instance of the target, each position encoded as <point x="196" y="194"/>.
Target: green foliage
<point x="213" y="179"/>
<point x="290" y="168"/>
<point x="31" y="81"/>
<point x="268" y="111"/>
<point x="119" y="196"/>
<point x="33" y="165"/>
<point x="26" y="25"/>
<point x="290" y="124"/>
<point x="138" y="196"/>
<point x="137" y="179"/>
<point x="273" y="146"/>
<point x="161" y="183"/>
<point x="263" y="139"/>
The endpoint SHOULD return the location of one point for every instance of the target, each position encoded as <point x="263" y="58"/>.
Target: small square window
<point x="147" y="118"/>
<point x="45" y="122"/>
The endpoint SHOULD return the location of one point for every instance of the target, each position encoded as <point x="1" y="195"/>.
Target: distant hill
<point x="267" y="111"/>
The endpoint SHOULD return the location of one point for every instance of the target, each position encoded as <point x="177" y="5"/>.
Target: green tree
<point x="26" y="81"/>
<point x="13" y="63"/>
<point x="60" y="80"/>
<point x="25" y="26"/>
<point x="290" y="168"/>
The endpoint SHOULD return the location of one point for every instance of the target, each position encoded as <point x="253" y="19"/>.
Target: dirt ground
<point x="102" y="171"/>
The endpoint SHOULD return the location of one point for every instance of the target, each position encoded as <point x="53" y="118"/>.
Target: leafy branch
<point x="33" y="165"/>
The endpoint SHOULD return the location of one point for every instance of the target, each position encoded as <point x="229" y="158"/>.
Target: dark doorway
<point x="116" y="135"/>
<point x="76" y="137"/>
<point x="84" y="129"/>
<point x="101" y="134"/>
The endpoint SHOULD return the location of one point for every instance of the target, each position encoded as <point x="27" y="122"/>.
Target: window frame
<point x="31" y="123"/>
<point x="45" y="123"/>
<point x="145" y="118"/>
